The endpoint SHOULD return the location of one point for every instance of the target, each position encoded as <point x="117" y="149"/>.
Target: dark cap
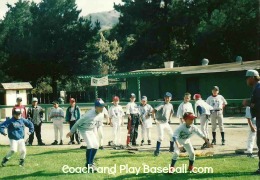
<point x="99" y="103"/>
<point x="19" y="99"/>
<point x="144" y="98"/>
<point x="215" y="88"/>
<point x="132" y="95"/>
<point x="17" y="111"/>
<point x="55" y="102"/>
<point x="168" y="94"/>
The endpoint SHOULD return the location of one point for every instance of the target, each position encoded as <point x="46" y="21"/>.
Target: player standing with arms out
<point x="253" y="80"/>
<point x="252" y="129"/>
<point x="184" y="107"/>
<point x="116" y="115"/>
<point x="132" y="111"/>
<point x="202" y="110"/>
<point x="35" y="115"/>
<point x="218" y="102"/>
<point x="181" y="138"/>
<point x="15" y="128"/>
<point x="86" y="125"/>
<point x="145" y="114"/>
<point x="161" y="116"/>
<point x="72" y="115"/>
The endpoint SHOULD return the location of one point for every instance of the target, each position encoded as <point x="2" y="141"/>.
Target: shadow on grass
<point x="184" y="175"/>
<point x="35" y="174"/>
<point x="64" y="151"/>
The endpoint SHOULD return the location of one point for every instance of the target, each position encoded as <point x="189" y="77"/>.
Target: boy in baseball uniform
<point x="252" y="129"/>
<point x="161" y="116"/>
<point x="15" y="129"/>
<point x="218" y="102"/>
<point x="181" y="138"/>
<point x="86" y="125"/>
<point x="202" y="110"/>
<point x="184" y="107"/>
<point x="145" y="114"/>
<point x="116" y="115"/>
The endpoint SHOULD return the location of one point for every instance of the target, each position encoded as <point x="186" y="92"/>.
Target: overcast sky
<point x="87" y="6"/>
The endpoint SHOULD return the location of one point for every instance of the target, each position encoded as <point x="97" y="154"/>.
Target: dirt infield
<point x="236" y="137"/>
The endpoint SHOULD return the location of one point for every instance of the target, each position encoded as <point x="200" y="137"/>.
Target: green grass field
<point x="47" y="163"/>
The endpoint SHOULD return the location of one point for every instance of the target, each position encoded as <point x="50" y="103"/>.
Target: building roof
<point x="16" y="86"/>
<point x="214" y="68"/>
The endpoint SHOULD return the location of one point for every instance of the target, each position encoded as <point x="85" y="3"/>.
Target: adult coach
<point x="253" y="80"/>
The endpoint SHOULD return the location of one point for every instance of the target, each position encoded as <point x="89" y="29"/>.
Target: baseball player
<point x="57" y="117"/>
<point x="161" y="115"/>
<point x="202" y="110"/>
<point x="15" y="128"/>
<point x="252" y="129"/>
<point x="181" y="138"/>
<point x="116" y="115"/>
<point x="99" y="128"/>
<point x="72" y="115"/>
<point x="218" y="102"/>
<point x="145" y="114"/>
<point x="132" y="111"/>
<point x="20" y="106"/>
<point x="184" y="107"/>
<point x="86" y="125"/>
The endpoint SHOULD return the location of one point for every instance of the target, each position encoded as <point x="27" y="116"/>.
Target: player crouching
<point x="182" y="136"/>
<point x="15" y="128"/>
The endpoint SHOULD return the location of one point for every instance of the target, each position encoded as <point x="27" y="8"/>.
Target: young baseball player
<point x="161" y="116"/>
<point x="72" y="115"/>
<point x="116" y="115"/>
<point x="252" y="129"/>
<point x="181" y="138"/>
<point x="145" y="114"/>
<point x="202" y="110"/>
<point x="218" y="102"/>
<point x="184" y="107"/>
<point x="86" y="125"/>
<point x="15" y="129"/>
<point x="132" y="111"/>
<point x="99" y="128"/>
<point x="57" y="117"/>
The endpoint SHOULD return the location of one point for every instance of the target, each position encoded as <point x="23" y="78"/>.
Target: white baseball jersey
<point x="183" y="108"/>
<point x="145" y="111"/>
<point x="216" y="102"/>
<point x="116" y="112"/>
<point x="164" y="112"/>
<point x="205" y="107"/>
<point x="248" y="115"/>
<point x="183" y="132"/>
<point x="132" y="108"/>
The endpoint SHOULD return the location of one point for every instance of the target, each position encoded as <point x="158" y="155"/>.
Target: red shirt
<point x="23" y="110"/>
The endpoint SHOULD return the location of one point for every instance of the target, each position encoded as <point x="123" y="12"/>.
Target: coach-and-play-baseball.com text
<point x="125" y="168"/>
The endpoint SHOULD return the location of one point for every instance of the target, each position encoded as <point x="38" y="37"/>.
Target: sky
<point x="87" y="6"/>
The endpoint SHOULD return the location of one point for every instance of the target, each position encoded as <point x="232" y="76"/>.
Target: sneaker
<point x="156" y="153"/>
<point x="142" y="142"/>
<point x="78" y="141"/>
<point x="250" y="155"/>
<point x="134" y="144"/>
<point x="54" y="143"/>
<point x="204" y="146"/>
<point x="70" y="143"/>
<point x="171" y="149"/>
<point x="81" y="140"/>
<point x="101" y="147"/>
<point x="213" y="142"/>
<point x="61" y="143"/>
<point x="149" y="142"/>
<point x="4" y="161"/>
<point x="21" y="163"/>
<point x="41" y="144"/>
<point x="223" y="142"/>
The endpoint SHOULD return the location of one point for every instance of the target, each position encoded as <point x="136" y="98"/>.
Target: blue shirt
<point x="15" y="127"/>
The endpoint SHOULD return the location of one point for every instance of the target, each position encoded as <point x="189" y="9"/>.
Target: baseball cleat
<point x="156" y="153"/>
<point x="149" y="142"/>
<point x="223" y="142"/>
<point x="21" y="163"/>
<point x="4" y="161"/>
<point x="142" y="142"/>
<point x="213" y="142"/>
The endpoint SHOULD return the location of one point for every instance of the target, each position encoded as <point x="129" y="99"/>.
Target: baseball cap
<point x="115" y="98"/>
<point x="132" y="95"/>
<point x="252" y="73"/>
<point x="99" y="102"/>
<point x="17" y="111"/>
<point x="189" y="115"/>
<point x="19" y="99"/>
<point x="55" y="102"/>
<point x="72" y="100"/>
<point x="215" y="88"/>
<point x="144" y="98"/>
<point x="34" y="99"/>
<point x="168" y="94"/>
<point x="197" y="96"/>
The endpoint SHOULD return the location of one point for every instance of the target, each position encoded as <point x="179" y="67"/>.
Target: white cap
<point x="34" y="99"/>
<point x="251" y="73"/>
